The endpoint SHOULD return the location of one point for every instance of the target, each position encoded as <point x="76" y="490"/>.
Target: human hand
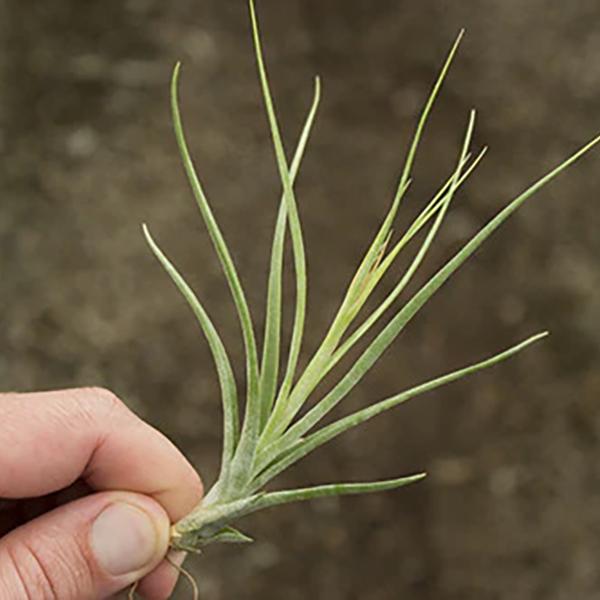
<point x="88" y="494"/>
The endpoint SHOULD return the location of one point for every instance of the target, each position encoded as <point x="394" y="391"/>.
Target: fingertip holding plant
<point x="272" y="435"/>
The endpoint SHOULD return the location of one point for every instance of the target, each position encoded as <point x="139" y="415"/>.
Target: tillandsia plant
<point x="272" y="435"/>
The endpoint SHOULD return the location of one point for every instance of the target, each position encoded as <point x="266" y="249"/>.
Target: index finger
<point x="51" y="439"/>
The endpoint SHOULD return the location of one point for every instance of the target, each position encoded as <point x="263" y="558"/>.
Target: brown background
<point x="511" y="509"/>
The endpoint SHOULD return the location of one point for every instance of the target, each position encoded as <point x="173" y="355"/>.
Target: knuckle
<point x="105" y="398"/>
<point x="101" y="402"/>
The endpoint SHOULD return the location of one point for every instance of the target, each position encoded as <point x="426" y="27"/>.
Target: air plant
<point x="272" y="435"/>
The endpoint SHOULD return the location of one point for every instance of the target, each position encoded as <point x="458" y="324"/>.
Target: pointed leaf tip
<point x="232" y="536"/>
<point x="176" y="70"/>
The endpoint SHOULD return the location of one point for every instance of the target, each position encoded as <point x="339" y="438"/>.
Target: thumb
<point x="87" y="549"/>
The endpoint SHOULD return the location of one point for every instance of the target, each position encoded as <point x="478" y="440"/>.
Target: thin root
<point x="134" y="587"/>
<point x="188" y="576"/>
<point x="182" y="571"/>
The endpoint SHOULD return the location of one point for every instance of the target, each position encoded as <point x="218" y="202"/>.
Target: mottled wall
<point x="511" y="508"/>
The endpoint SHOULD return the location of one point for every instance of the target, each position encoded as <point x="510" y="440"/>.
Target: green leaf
<point x="334" y="489"/>
<point x="220" y="246"/>
<point x="319" y="362"/>
<point x="440" y="200"/>
<point x="291" y="454"/>
<point x="252" y="418"/>
<point x="438" y="205"/>
<point x="369" y="357"/>
<point x="229" y="535"/>
<point x="270" y="361"/>
<point x="410" y="158"/>
<point x="397" y="324"/>
<point x="224" y="370"/>
<point x="210" y="518"/>
<point x="270" y="440"/>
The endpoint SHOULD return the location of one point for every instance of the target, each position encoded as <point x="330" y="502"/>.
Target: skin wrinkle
<point x="86" y="569"/>
<point x="19" y="579"/>
<point x="116" y="410"/>
<point x="102" y="395"/>
<point x="65" y="561"/>
<point x="48" y="585"/>
<point x="112" y="405"/>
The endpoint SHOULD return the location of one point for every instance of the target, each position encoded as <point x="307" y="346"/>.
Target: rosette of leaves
<point x="273" y="435"/>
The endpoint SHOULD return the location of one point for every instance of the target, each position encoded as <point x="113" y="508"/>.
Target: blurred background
<point x="510" y="509"/>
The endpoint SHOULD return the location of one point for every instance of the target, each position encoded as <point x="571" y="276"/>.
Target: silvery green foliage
<point x="271" y="436"/>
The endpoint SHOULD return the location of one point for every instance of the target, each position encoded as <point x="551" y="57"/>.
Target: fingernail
<point x="124" y="539"/>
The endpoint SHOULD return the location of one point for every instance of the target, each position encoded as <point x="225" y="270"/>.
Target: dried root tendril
<point x="186" y="574"/>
